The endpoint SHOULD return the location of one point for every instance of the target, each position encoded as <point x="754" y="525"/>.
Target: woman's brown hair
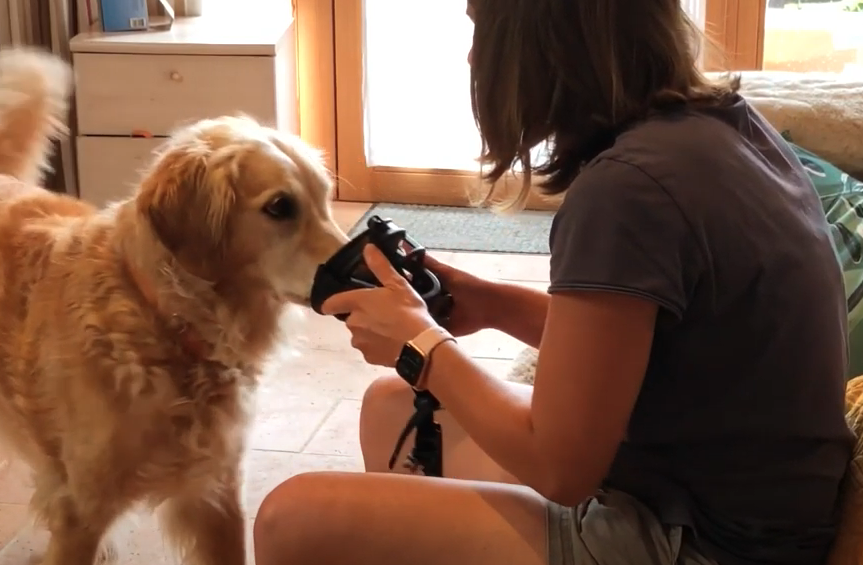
<point x="575" y="73"/>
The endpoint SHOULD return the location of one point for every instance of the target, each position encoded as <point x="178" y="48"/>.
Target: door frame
<point x="736" y="28"/>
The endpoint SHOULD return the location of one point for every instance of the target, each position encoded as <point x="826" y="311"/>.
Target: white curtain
<point x="49" y="24"/>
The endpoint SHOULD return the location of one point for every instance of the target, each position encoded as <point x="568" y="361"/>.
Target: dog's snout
<point x="332" y="238"/>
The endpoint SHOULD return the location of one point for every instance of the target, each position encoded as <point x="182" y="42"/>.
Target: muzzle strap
<point x="427" y="453"/>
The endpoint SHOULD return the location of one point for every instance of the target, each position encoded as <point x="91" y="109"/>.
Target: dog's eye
<point x="281" y="208"/>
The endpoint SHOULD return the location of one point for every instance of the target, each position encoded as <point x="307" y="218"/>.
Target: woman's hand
<point x="381" y="320"/>
<point x="471" y="310"/>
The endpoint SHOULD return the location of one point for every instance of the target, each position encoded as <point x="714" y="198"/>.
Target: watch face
<point x="410" y="365"/>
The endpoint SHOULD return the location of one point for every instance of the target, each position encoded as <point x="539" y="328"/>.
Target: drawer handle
<point x="176" y="77"/>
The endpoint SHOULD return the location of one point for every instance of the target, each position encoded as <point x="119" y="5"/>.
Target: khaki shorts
<point x="613" y="528"/>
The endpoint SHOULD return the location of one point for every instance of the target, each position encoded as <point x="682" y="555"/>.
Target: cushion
<point x="842" y="199"/>
<point x="822" y="111"/>
<point x="848" y="549"/>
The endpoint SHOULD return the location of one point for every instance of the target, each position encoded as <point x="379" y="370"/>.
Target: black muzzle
<point x="347" y="270"/>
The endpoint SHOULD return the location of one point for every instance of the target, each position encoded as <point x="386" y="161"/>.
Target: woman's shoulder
<point x="706" y="160"/>
<point x="702" y="136"/>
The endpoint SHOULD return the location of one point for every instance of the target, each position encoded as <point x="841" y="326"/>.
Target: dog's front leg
<point x="208" y="529"/>
<point x="76" y="530"/>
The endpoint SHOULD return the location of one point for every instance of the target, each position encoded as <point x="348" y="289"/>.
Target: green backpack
<point x="842" y="201"/>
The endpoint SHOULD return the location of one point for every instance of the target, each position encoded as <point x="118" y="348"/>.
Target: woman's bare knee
<point x="387" y="405"/>
<point x="386" y="395"/>
<point x="288" y="521"/>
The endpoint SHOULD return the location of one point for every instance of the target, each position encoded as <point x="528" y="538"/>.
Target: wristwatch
<point x="413" y="361"/>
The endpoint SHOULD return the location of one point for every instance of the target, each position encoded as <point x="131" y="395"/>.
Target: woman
<point x="688" y="405"/>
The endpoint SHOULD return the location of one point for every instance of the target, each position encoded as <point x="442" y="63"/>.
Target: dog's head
<point x="237" y="203"/>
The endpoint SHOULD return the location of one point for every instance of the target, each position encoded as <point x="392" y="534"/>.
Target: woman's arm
<point x="484" y="304"/>
<point x="592" y="360"/>
<point x="516" y="310"/>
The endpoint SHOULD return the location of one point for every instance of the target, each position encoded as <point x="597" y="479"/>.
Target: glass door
<point x="404" y="122"/>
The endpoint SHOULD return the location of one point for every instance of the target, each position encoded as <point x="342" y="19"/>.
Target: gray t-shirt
<point x="739" y="429"/>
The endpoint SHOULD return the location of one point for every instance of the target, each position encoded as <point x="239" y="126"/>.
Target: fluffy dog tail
<point x="34" y="98"/>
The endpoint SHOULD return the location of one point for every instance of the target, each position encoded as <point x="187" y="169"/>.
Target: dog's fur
<point x="132" y="338"/>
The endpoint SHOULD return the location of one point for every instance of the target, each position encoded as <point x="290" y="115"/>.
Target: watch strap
<point x="425" y="344"/>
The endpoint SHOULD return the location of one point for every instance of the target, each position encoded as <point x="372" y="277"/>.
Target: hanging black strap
<point x="427" y="453"/>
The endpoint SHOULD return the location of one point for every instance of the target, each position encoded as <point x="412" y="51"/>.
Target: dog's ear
<point x="188" y="205"/>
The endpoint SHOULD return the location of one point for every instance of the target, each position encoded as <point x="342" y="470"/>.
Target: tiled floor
<point x="307" y="419"/>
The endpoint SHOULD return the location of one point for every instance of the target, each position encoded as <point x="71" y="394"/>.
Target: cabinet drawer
<point x="109" y="168"/>
<point x="118" y="94"/>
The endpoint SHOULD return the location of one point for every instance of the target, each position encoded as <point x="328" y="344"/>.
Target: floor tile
<point x="340" y="434"/>
<point x="15" y="483"/>
<point x="27" y="548"/>
<point x="13" y="518"/>
<point x="139" y="541"/>
<point x="286" y="421"/>
<point x="326" y="332"/>
<point x="347" y="214"/>
<point x="328" y="373"/>
<point x="497" y="367"/>
<point x="491" y="344"/>
<point x="537" y="285"/>
<point x="500" y="265"/>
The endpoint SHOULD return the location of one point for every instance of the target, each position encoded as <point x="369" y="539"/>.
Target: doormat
<point x="446" y="228"/>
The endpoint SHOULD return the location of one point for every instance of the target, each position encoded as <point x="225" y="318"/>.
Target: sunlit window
<point x="814" y="35"/>
<point x="417" y="85"/>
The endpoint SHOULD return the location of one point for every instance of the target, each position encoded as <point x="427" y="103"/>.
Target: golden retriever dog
<point x="132" y="338"/>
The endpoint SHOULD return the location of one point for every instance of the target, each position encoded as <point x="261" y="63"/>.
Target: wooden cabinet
<point x="133" y="89"/>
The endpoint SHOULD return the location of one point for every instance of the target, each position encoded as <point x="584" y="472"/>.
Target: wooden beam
<point x="316" y="75"/>
<point x="736" y="30"/>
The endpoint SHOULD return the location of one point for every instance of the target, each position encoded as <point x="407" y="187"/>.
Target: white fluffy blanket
<point x="523" y="368"/>
<point x="822" y="112"/>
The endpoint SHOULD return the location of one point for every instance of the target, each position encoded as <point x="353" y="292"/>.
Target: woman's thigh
<point x="376" y="518"/>
<point x="382" y="518"/>
<point x="386" y="407"/>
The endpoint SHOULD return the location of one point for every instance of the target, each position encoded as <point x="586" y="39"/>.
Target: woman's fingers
<point x="345" y="302"/>
<point x="381" y="267"/>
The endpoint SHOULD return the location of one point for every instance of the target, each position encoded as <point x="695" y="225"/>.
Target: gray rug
<point x="467" y="229"/>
